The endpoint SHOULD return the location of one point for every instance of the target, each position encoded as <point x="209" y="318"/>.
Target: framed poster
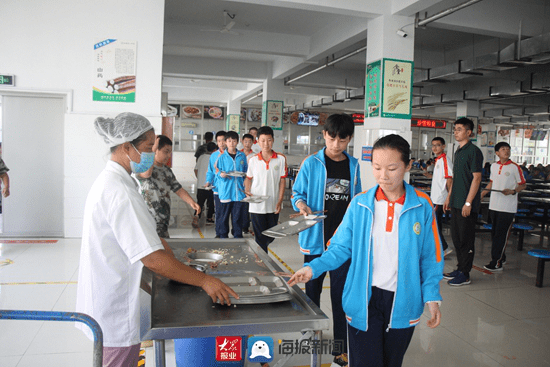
<point x="213" y="112"/>
<point x="372" y="89"/>
<point x="272" y="114"/>
<point x="397" y="79"/>
<point x="233" y="123"/>
<point x="491" y="138"/>
<point x="114" y="71"/>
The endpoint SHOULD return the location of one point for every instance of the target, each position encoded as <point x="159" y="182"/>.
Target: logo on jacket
<point x="416" y="228"/>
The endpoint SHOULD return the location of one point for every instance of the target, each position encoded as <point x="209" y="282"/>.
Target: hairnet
<point x="125" y="127"/>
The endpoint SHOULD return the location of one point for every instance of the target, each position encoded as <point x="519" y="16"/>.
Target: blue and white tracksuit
<point x="420" y="259"/>
<point x="310" y="187"/>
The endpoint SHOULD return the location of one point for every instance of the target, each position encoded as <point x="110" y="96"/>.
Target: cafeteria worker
<point x="119" y="237"/>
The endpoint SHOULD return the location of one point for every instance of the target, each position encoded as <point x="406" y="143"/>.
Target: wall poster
<point x="272" y="114"/>
<point x="114" y="71"/>
<point x="397" y="79"/>
<point x="233" y="123"/>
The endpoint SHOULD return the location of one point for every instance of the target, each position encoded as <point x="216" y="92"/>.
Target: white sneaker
<point x="447" y="251"/>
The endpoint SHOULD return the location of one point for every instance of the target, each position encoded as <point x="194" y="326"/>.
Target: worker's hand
<point x="508" y="192"/>
<point x="6" y="191"/>
<point x="196" y="207"/>
<point x="301" y="276"/>
<point x="304" y="209"/>
<point x="218" y="290"/>
<point x="446" y="205"/>
<point x="156" y="145"/>
<point x="223" y="175"/>
<point x="436" y="315"/>
<point x="278" y="208"/>
<point x="466" y="210"/>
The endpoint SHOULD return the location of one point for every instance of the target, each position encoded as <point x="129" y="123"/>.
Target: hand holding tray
<point x="292" y="227"/>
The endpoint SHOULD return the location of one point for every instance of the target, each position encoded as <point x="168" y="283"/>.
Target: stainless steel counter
<point x="176" y="310"/>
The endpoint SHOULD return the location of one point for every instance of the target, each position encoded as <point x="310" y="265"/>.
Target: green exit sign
<point x="7" y="80"/>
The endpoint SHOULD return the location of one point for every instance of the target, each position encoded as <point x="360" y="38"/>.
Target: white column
<point x="234" y="108"/>
<point x="384" y="42"/>
<point x="274" y="90"/>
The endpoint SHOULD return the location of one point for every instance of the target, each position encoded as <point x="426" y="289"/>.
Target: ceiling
<point x="285" y="38"/>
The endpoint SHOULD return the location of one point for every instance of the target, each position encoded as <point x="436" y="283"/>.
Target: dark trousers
<point x="337" y="281"/>
<point x="463" y="232"/>
<point x="208" y="197"/>
<point x="235" y="209"/>
<point x="502" y="225"/>
<point x="261" y="222"/>
<point x="377" y="347"/>
<point x="439" y="218"/>
<point x="246" y="216"/>
<point x="218" y="223"/>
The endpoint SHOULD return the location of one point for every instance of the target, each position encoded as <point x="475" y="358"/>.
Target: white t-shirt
<point x="202" y="167"/>
<point x="385" y="238"/>
<point x="266" y="178"/>
<point x="443" y="170"/>
<point x="505" y="176"/>
<point x="118" y="232"/>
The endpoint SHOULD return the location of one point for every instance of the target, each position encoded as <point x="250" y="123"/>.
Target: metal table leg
<point x="316" y="358"/>
<point x="160" y="353"/>
<point x="540" y="272"/>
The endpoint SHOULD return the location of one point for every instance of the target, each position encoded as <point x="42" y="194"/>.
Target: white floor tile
<point x="17" y="335"/>
<point x="30" y="296"/>
<point x="57" y="360"/>
<point x="58" y="338"/>
<point x="9" y="361"/>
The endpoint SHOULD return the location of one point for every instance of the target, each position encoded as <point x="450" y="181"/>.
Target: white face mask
<point x="146" y="161"/>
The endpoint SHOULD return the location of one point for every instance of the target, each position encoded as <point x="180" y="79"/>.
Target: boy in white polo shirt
<point x="442" y="180"/>
<point x="266" y="175"/>
<point x="506" y="181"/>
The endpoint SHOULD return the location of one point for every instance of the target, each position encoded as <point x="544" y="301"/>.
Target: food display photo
<point x="213" y="112"/>
<point x="191" y="112"/>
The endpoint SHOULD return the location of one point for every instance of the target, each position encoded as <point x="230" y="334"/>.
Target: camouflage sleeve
<point x="172" y="181"/>
<point x="3" y="168"/>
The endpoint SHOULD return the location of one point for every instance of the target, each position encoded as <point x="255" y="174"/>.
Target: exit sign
<point x="7" y="80"/>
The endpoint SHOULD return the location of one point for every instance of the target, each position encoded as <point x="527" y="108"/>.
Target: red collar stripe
<point x="391" y="207"/>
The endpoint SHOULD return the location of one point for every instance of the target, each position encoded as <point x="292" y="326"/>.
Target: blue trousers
<point x="337" y="281"/>
<point x="377" y="347"/>
<point x="261" y="222"/>
<point x="235" y="209"/>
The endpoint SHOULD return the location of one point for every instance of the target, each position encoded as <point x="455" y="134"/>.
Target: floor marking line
<point x="38" y="283"/>
<point x="281" y="261"/>
<point x="482" y="270"/>
<point x="6" y="262"/>
<point x="200" y="232"/>
<point x="28" y="241"/>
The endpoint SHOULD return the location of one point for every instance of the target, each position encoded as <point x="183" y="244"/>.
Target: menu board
<point x="114" y="71"/>
<point x="272" y="114"/>
<point x="213" y="112"/>
<point x="254" y="115"/>
<point x="372" y="97"/>
<point x="397" y="88"/>
<point x="191" y="112"/>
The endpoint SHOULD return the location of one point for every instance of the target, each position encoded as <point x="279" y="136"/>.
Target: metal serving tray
<point x="255" y="199"/>
<point x="236" y="173"/>
<point x="294" y="226"/>
<point x="258" y="289"/>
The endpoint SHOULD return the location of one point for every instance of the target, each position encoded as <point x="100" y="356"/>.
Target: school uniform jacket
<point x="310" y="187"/>
<point x="420" y="259"/>
<point x="230" y="188"/>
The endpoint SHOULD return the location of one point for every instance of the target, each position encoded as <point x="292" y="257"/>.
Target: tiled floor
<point x="501" y="319"/>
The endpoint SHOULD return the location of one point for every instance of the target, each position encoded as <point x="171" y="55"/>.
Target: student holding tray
<point x="265" y="177"/>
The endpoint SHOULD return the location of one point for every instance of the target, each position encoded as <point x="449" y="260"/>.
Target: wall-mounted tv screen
<point x="308" y="119"/>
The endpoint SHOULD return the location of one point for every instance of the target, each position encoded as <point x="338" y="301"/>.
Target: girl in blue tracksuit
<point x="390" y="234"/>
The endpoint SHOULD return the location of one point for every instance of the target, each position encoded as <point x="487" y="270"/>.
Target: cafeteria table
<point x="175" y="311"/>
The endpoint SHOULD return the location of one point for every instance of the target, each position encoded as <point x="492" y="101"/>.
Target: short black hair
<point x="395" y="142"/>
<point x="211" y="146"/>
<point x="164" y="141"/>
<point x="252" y="128"/>
<point x="439" y="139"/>
<point x="339" y="124"/>
<point x="248" y="136"/>
<point x="265" y="130"/>
<point x="466" y="122"/>
<point x="500" y="145"/>
<point x="220" y="133"/>
<point x="208" y="136"/>
<point x="231" y="135"/>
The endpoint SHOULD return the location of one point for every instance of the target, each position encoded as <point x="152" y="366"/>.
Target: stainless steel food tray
<point x="292" y="227"/>
<point x="255" y="199"/>
<point x="258" y="289"/>
<point x="236" y="173"/>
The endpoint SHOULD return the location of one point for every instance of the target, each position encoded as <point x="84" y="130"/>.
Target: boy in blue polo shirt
<point x="230" y="186"/>
<point x="211" y="174"/>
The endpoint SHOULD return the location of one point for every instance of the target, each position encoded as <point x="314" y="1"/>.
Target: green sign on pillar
<point x="272" y="114"/>
<point x="372" y="89"/>
<point x="397" y="81"/>
<point x="233" y="122"/>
